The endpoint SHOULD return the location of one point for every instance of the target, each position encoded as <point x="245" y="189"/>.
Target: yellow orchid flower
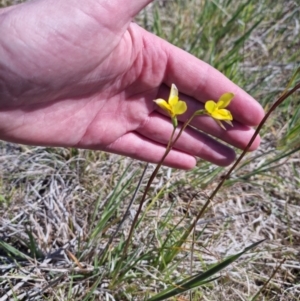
<point x="174" y="106"/>
<point x="217" y="110"/>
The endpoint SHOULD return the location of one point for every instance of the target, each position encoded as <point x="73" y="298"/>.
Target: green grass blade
<point x="10" y="250"/>
<point x="113" y="203"/>
<point x="230" y="23"/>
<point x="33" y="246"/>
<point x="200" y="279"/>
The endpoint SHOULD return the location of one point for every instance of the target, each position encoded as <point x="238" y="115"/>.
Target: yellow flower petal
<point x="180" y="108"/>
<point x="225" y="100"/>
<point x="210" y="106"/>
<point x="222" y="114"/>
<point x="173" y="91"/>
<point x="173" y="101"/>
<point x="164" y="105"/>
<point x="173" y="98"/>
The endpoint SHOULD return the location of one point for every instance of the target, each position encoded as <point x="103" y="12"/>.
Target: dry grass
<point x="53" y="200"/>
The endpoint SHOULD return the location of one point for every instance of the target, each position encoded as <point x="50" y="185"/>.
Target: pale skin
<point x="82" y="74"/>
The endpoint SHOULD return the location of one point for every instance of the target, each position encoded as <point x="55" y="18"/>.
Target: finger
<point x="202" y="82"/>
<point x="239" y="135"/>
<point x="138" y="147"/>
<point x="191" y="141"/>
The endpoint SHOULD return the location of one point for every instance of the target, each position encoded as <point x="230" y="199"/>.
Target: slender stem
<point x="143" y="199"/>
<point x="273" y="107"/>
<point x="168" y="149"/>
<point x="145" y="192"/>
<point x="271" y="277"/>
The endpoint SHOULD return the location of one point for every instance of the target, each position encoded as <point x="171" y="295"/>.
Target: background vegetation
<point x="59" y="207"/>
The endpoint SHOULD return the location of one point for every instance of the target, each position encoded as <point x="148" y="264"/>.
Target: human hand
<point x="81" y="74"/>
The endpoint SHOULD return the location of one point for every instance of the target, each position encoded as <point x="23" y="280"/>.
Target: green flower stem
<point x="168" y="149"/>
<point x="274" y="106"/>
<point x="175" y="123"/>
<point x="146" y="191"/>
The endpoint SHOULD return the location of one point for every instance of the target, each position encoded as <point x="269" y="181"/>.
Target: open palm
<point x="81" y="74"/>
